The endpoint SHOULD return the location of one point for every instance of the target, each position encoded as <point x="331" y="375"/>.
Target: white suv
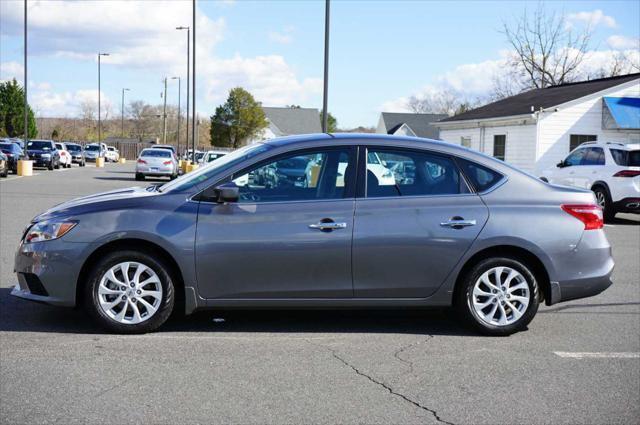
<point x="611" y="170"/>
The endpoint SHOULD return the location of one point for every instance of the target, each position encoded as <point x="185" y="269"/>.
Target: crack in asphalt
<point x="406" y="347"/>
<point x="383" y="385"/>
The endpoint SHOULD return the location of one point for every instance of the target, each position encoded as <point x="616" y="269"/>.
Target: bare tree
<point x="546" y="51"/>
<point x="446" y="101"/>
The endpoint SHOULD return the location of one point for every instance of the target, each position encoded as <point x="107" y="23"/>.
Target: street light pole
<point x="164" y="114"/>
<point x="122" y="110"/>
<point x="99" y="117"/>
<point x="188" y="78"/>
<point x="26" y="104"/>
<point x="325" y="114"/>
<point x="179" y="104"/>
<point x="193" y="81"/>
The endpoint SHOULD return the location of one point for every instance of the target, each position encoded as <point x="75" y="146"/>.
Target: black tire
<point x="139" y="176"/>
<point x="5" y="173"/>
<point x="604" y="200"/>
<point x="82" y="164"/>
<point x="51" y="166"/>
<point x="57" y="166"/>
<point x="92" y="303"/>
<point x="464" y="297"/>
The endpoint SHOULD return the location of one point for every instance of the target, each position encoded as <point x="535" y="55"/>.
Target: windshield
<point x="214" y="156"/>
<point x="59" y="146"/>
<point x="205" y="172"/>
<point x="73" y="148"/>
<point x="8" y="147"/>
<point x="92" y="148"/>
<point x="626" y="158"/>
<point x="41" y="146"/>
<point x="111" y="149"/>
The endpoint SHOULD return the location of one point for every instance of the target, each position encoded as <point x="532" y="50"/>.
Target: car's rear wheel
<point x="51" y="165"/>
<point x="139" y="176"/>
<point x="498" y="296"/>
<point x="129" y="292"/>
<point x="604" y="201"/>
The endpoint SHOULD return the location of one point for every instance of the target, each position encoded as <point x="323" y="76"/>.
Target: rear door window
<point x="626" y="158"/>
<point x="404" y="172"/>
<point x="594" y="156"/>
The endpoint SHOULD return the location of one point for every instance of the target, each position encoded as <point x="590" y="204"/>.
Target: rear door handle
<point x="328" y="226"/>
<point x="458" y="224"/>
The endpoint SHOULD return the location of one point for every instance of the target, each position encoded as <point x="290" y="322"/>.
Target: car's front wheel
<point x="498" y="296"/>
<point x="130" y="292"/>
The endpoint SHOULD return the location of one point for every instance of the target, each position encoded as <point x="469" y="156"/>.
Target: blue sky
<point x="381" y="51"/>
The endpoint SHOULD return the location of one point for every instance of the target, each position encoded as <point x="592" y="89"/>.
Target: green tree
<point x="11" y="111"/>
<point x="332" y="123"/>
<point x="239" y="119"/>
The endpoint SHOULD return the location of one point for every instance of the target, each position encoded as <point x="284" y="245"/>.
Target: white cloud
<point x="10" y="70"/>
<point x="282" y="37"/>
<point x="140" y="36"/>
<point x="593" y="18"/>
<point x="49" y="103"/>
<point x="620" y="42"/>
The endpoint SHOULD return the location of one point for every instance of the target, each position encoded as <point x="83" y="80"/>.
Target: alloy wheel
<point x="601" y="199"/>
<point x="501" y="296"/>
<point x="130" y="292"/>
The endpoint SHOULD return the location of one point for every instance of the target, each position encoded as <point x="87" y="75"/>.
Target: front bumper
<point x="41" y="162"/>
<point x="48" y="271"/>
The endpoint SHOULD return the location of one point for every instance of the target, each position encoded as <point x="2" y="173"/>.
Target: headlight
<point x="48" y="230"/>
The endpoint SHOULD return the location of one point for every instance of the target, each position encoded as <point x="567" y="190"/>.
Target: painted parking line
<point x="597" y="355"/>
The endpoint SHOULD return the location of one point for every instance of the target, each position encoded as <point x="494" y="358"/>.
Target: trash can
<point x="25" y="167"/>
<point x="99" y="162"/>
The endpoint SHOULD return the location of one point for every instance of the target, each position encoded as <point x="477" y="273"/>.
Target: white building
<point x="536" y="129"/>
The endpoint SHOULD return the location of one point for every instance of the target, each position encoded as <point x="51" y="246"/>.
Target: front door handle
<point x="328" y="226"/>
<point x="456" y="223"/>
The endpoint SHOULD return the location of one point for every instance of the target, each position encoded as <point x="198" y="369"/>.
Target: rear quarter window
<point x="482" y="178"/>
<point x="626" y="158"/>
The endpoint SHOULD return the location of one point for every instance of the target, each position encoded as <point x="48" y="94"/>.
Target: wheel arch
<point x="602" y="184"/>
<point x="142" y="245"/>
<point x="522" y="254"/>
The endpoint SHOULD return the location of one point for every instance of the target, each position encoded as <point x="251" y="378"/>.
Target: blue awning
<point x="621" y="113"/>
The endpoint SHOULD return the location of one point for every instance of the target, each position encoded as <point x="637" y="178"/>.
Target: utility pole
<point x="325" y="114"/>
<point x="179" y="104"/>
<point x="99" y="116"/>
<point x="188" y="78"/>
<point x="193" y="81"/>
<point x="164" y="114"/>
<point x="122" y="110"/>
<point x="26" y="104"/>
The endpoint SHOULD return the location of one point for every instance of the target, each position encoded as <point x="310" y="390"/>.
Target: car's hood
<point x="114" y="199"/>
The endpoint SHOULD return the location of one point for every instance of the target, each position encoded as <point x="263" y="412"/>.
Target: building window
<point x="578" y="139"/>
<point x="465" y="141"/>
<point x="499" y="146"/>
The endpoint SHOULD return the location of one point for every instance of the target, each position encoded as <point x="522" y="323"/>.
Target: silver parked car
<point x="451" y="227"/>
<point x="156" y="162"/>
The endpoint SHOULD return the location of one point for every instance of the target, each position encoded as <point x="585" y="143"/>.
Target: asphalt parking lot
<point x="312" y="367"/>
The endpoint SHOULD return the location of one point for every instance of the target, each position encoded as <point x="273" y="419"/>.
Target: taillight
<point x="627" y="173"/>
<point x="589" y="214"/>
<point x="167" y="162"/>
<point x="142" y="161"/>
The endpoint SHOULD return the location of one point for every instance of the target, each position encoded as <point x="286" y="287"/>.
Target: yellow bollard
<point x="184" y="165"/>
<point x="25" y="167"/>
<point x="99" y="162"/>
<point x="122" y="160"/>
<point x="192" y="167"/>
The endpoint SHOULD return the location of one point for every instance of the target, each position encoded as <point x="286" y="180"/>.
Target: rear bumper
<point x="628" y="205"/>
<point x="579" y="288"/>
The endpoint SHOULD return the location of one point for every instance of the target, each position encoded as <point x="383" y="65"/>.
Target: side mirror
<point x="561" y="164"/>
<point x="227" y="192"/>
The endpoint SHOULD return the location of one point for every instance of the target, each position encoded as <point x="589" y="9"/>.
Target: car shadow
<point x="129" y="179"/>
<point x="625" y="220"/>
<point x="24" y="316"/>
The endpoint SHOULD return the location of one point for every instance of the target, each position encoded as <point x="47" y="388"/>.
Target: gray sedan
<point x="459" y="229"/>
<point x="156" y="162"/>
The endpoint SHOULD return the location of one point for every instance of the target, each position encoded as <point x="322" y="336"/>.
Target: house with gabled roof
<point x="409" y="124"/>
<point x="288" y="121"/>
<point x="536" y="129"/>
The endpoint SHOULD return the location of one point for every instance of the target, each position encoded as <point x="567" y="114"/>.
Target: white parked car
<point x="154" y="162"/>
<point x="112" y="154"/>
<point x="211" y="156"/>
<point x="611" y="170"/>
<point x="65" y="157"/>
